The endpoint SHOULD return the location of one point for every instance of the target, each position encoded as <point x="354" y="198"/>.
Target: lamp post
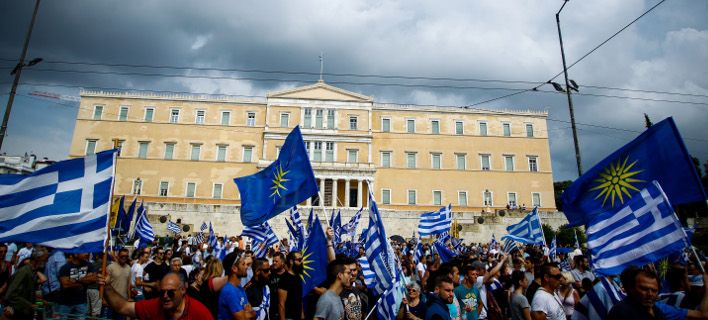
<point x="17" y="71"/>
<point x="567" y="92"/>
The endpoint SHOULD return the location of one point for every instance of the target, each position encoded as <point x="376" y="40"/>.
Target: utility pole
<point x="18" y="71"/>
<point x="567" y="92"/>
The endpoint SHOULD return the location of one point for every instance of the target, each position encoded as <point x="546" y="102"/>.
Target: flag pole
<point x="698" y="259"/>
<point x="108" y="224"/>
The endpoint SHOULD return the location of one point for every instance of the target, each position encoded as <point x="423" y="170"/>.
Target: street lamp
<point x="16" y="72"/>
<point x="569" y="85"/>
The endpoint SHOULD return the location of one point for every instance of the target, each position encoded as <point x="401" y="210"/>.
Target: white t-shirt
<point x="483" y="296"/>
<point x="549" y="304"/>
<point x="136" y="270"/>
<point x="421" y="268"/>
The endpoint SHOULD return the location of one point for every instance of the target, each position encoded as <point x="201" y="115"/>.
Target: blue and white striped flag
<point x="143" y="228"/>
<point x="173" y="227"/>
<point x="65" y="205"/>
<point x="369" y="276"/>
<point x="262" y="234"/>
<point x="418" y="251"/>
<point x="554" y="248"/>
<point x="297" y="224"/>
<point x="596" y="304"/>
<point x="435" y="222"/>
<point x="350" y="227"/>
<point x="529" y="229"/>
<point x="493" y="243"/>
<point x="212" y="237"/>
<point x="509" y="245"/>
<point x="387" y="305"/>
<point x="643" y="231"/>
<point x="379" y="251"/>
<point x="200" y="236"/>
<point x="260" y="249"/>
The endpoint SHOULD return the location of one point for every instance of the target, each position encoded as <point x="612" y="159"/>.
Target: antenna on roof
<point x="321" y="65"/>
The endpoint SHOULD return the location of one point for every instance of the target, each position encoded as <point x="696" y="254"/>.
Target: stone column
<point x="359" y="191"/>
<point x="346" y="193"/>
<point x="322" y="192"/>
<point x="334" y="193"/>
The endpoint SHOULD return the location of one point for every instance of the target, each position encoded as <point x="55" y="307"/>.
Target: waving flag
<point x="554" y="247"/>
<point x="337" y="228"/>
<point x="509" y="245"/>
<point x="443" y="251"/>
<point x="656" y="154"/>
<point x="596" y="304"/>
<point x="529" y="229"/>
<point x="297" y="223"/>
<point x="128" y="218"/>
<point x="262" y="234"/>
<point x="435" y="222"/>
<point x="379" y="251"/>
<point x="645" y="230"/>
<point x="350" y="227"/>
<point x="65" y="205"/>
<point x="138" y="212"/>
<point x="418" y="251"/>
<point x="369" y="276"/>
<point x="310" y="221"/>
<point x="200" y="236"/>
<point x="173" y="227"/>
<point x="286" y="182"/>
<point x="493" y="243"/>
<point x="314" y="258"/>
<point x="212" y="237"/>
<point x="143" y="229"/>
<point x="117" y="213"/>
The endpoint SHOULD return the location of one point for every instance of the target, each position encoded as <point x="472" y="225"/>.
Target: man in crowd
<point x="51" y="288"/>
<point x="153" y="273"/>
<point x="290" y="288"/>
<point x="355" y="302"/>
<point x="581" y="270"/>
<point x="119" y="273"/>
<point x="176" y="267"/>
<point x="443" y="296"/>
<point x="329" y="305"/>
<point x="136" y="276"/>
<point x="24" y="253"/>
<point x="172" y="302"/>
<point x="257" y="290"/>
<point x="21" y="296"/>
<point x="546" y="304"/>
<point x="233" y="303"/>
<point x="74" y="276"/>
<point x="469" y="294"/>
<point x="277" y="270"/>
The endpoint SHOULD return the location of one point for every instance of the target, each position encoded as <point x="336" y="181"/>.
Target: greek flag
<point x="299" y="227"/>
<point x="212" y="237"/>
<point x="143" y="228"/>
<point x="596" y="304"/>
<point x="173" y="227"/>
<point x="262" y="234"/>
<point x="379" y="251"/>
<point x="200" y="235"/>
<point x="642" y="231"/>
<point x="64" y="206"/>
<point x="509" y="245"/>
<point x="350" y="227"/>
<point x="529" y="230"/>
<point x="260" y="249"/>
<point x="493" y="243"/>
<point x="418" y="251"/>
<point x="552" y="251"/>
<point x="262" y="309"/>
<point x="369" y="276"/>
<point x="387" y="306"/>
<point x="435" y="222"/>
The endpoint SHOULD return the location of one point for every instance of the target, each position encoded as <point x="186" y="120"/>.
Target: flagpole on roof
<point x="106" y="243"/>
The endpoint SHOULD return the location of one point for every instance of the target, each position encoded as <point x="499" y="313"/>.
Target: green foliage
<point x="549" y="233"/>
<point x="564" y="236"/>
<point x="558" y="188"/>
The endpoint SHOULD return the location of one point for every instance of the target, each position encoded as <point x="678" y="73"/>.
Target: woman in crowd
<point x="413" y="308"/>
<point x="568" y="295"/>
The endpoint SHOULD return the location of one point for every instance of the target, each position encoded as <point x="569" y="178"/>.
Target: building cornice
<point x="169" y="96"/>
<point x="456" y="109"/>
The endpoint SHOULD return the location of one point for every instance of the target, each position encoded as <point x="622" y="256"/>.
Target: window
<point x="435" y="160"/>
<point x="169" y="150"/>
<point x="318" y="152"/>
<point x="533" y="163"/>
<point x="329" y="155"/>
<point x="225" y="118"/>
<point x="511" y="196"/>
<point x="143" y="149"/>
<point x="216" y="193"/>
<point x="97" y="112"/>
<point x="410" y="159"/>
<point x="191" y="189"/>
<point x="149" y="112"/>
<point x="461" y="161"/>
<point x="251" y="119"/>
<point x="352" y="123"/>
<point x="284" y="119"/>
<point x="91" y="146"/>
<point x="307" y="148"/>
<point x="164" y="185"/>
<point x="459" y="127"/>
<point x="200" y="117"/>
<point x="386" y="196"/>
<point x="411" y="197"/>
<point x="247" y="153"/>
<point x="507" y="129"/>
<point x="509" y="163"/>
<point x="482" y="128"/>
<point x="386" y="159"/>
<point x="330" y="119"/>
<point x="462" y="198"/>
<point x="123" y="114"/>
<point x="220" y="152"/>
<point x="307" y="123"/>
<point x="174" y="116"/>
<point x="535" y="199"/>
<point x="137" y="186"/>
<point x="488" y="198"/>
<point x="352" y="155"/>
<point x="196" y="151"/>
<point x="410" y="126"/>
<point x="484" y="159"/>
<point x="437" y="197"/>
<point x="529" y="130"/>
<point x="319" y="118"/>
<point x="435" y="126"/>
<point x="386" y="125"/>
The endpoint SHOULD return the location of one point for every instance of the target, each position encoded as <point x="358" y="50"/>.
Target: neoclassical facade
<point x="180" y="153"/>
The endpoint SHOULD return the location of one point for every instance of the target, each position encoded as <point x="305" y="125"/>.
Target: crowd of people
<point x="181" y="279"/>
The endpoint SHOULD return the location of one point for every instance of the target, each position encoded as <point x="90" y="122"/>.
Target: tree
<point x="549" y="233"/>
<point x="558" y="188"/>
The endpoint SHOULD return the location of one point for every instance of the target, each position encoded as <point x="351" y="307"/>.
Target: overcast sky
<point x="513" y="42"/>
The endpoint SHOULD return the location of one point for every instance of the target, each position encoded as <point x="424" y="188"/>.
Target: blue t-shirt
<point x="468" y="297"/>
<point x="231" y="299"/>
<point x="671" y="312"/>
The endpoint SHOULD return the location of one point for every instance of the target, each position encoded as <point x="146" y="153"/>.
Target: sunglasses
<point x="556" y="276"/>
<point x="170" y="293"/>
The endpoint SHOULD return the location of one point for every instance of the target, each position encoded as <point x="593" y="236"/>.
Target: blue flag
<point x="286" y="182"/>
<point x="657" y="154"/>
<point x="120" y="217"/>
<point x="65" y="205"/>
<point x="128" y="218"/>
<point x="444" y="252"/>
<point x="314" y="258"/>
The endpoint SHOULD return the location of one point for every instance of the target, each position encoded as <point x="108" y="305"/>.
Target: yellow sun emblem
<point x="616" y="181"/>
<point x="278" y="182"/>
<point x="306" y="262"/>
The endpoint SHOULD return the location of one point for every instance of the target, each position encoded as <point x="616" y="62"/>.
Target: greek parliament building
<point x="180" y="154"/>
